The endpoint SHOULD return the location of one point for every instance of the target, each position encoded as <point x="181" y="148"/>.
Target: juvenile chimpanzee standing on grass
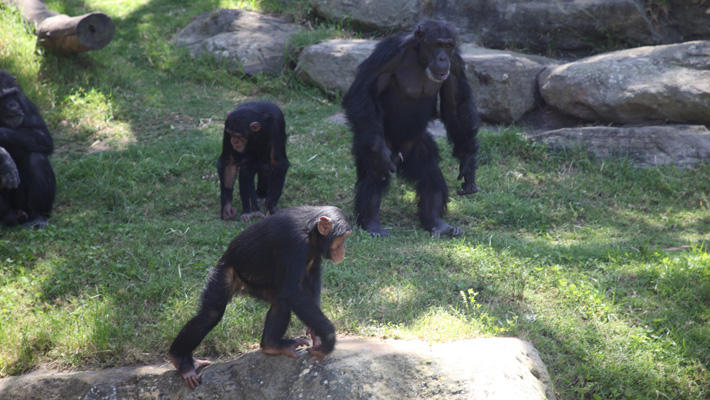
<point x="27" y="193"/>
<point x="277" y="259"/>
<point x="254" y="144"/>
<point x="393" y="98"/>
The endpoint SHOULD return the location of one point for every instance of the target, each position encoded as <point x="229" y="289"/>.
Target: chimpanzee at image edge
<point x="26" y="140"/>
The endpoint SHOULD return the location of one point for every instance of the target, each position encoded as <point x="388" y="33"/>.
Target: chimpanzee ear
<point x="325" y="226"/>
<point x="255" y="126"/>
<point x="419" y="34"/>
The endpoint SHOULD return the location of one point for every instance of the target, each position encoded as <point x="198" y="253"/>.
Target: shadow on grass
<point x="143" y="236"/>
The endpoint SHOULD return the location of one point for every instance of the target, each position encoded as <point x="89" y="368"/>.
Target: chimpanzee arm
<point x="28" y="139"/>
<point x="362" y="107"/>
<point x="306" y="309"/>
<point x="314" y="282"/>
<point x="305" y="303"/>
<point x="227" y="169"/>
<point x="460" y="117"/>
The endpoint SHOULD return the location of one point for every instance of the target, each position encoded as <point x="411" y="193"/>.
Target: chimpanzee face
<point x="240" y="140"/>
<point x="435" y="51"/>
<point x="11" y="112"/>
<point x="336" y="252"/>
<point x="439" y="65"/>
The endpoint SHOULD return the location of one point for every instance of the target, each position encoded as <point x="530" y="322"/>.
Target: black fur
<point x="264" y="157"/>
<point x="392" y="99"/>
<point x="277" y="259"/>
<point x="25" y="137"/>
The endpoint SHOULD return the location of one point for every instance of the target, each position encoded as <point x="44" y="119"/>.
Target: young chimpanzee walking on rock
<point x="254" y="144"/>
<point x="277" y="259"/>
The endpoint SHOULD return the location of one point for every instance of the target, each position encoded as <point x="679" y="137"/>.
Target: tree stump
<point x="62" y="33"/>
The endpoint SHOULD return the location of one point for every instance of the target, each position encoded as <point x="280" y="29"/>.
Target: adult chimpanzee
<point x="391" y="101"/>
<point x="26" y="138"/>
<point x="254" y="143"/>
<point x="278" y="259"/>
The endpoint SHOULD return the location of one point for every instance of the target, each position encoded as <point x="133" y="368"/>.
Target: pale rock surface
<point x="661" y="84"/>
<point x="644" y="146"/>
<point x="492" y="368"/>
<point x="255" y="42"/>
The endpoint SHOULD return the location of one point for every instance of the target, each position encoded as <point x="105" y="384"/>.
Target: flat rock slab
<point x="489" y="368"/>
<point x="644" y="146"/>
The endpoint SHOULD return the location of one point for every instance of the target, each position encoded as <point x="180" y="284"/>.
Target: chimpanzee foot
<point x="190" y="376"/>
<point x="287" y="347"/>
<point x="467" y="188"/>
<point x="376" y="230"/>
<point x="38" y="222"/>
<point x="446" y="229"/>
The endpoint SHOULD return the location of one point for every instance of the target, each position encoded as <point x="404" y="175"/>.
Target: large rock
<point x="539" y="26"/>
<point x="643" y="85"/>
<point x="496" y="368"/>
<point x="644" y="146"/>
<point x="566" y="26"/>
<point x="368" y="14"/>
<point x="683" y="19"/>
<point x="332" y="65"/>
<point x="504" y="83"/>
<point x="255" y="42"/>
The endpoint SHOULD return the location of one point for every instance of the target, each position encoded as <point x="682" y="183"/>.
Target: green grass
<point x="563" y="252"/>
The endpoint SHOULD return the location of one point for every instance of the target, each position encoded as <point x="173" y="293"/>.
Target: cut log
<point x="62" y="33"/>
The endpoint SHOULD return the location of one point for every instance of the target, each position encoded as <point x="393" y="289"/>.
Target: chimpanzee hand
<point x="9" y="177"/>
<point x="229" y="212"/>
<point x="383" y="163"/>
<point x="246" y="217"/>
<point x="467" y="171"/>
<point x="315" y="338"/>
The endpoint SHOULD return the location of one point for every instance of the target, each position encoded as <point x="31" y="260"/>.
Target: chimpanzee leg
<point x="247" y="172"/>
<point x="8" y="216"/>
<point x="38" y="187"/>
<point x="9" y="177"/>
<point x="368" y="197"/>
<point x="272" y="341"/>
<point x="421" y="164"/>
<point x="277" y="180"/>
<point x="215" y="296"/>
<point x="250" y="206"/>
<point x="263" y="182"/>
